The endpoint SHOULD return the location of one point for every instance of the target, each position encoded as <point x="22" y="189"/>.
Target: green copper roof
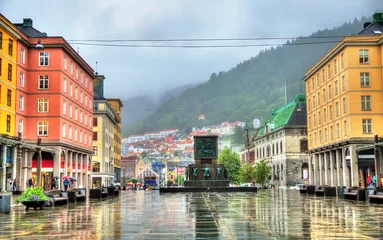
<point x="281" y="117"/>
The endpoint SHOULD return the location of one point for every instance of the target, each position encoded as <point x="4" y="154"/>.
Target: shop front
<point x="366" y="167"/>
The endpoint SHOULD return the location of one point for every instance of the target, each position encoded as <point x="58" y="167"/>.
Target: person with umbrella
<point x="66" y="183"/>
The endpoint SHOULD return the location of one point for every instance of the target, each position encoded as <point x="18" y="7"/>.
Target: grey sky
<point x="136" y="71"/>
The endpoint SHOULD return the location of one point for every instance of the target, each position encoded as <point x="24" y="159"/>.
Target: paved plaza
<point x="268" y="214"/>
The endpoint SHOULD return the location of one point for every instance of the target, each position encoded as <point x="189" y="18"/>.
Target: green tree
<point x="261" y="172"/>
<point x="246" y="173"/>
<point x="179" y="180"/>
<point x="232" y="163"/>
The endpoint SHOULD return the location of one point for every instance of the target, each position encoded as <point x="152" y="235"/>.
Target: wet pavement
<point x="268" y="214"/>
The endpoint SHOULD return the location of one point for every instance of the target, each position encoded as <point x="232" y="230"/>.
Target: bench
<point x="303" y="189"/>
<point x="77" y="194"/>
<point x="358" y="194"/>
<point x="376" y="197"/>
<point x="99" y="193"/>
<point x="59" y="197"/>
<point x="113" y="190"/>
<point x="319" y="191"/>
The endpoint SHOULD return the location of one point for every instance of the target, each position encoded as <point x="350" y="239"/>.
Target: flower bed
<point x="33" y="197"/>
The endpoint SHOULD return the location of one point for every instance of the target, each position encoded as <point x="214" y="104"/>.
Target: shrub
<point x="33" y="194"/>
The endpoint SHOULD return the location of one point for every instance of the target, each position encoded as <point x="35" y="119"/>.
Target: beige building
<point x="117" y="105"/>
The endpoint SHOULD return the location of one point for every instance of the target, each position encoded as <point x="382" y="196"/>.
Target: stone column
<point x="311" y="182"/>
<point x="326" y="169"/>
<point x="38" y="167"/>
<point x="18" y="167"/>
<point x="29" y="156"/>
<point x="70" y="156"/>
<point x="354" y="167"/>
<point x="320" y="164"/>
<point x="345" y="172"/>
<point x="332" y="170"/>
<point x="4" y="168"/>
<point x="57" y="163"/>
<point x="14" y="164"/>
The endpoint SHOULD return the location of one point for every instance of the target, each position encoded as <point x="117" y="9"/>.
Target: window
<point x="335" y="66"/>
<point x="75" y="134"/>
<point x="336" y="88"/>
<point x="21" y="126"/>
<point x="329" y="71"/>
<point x="1" y="40"/>
<point x="365" y="79"/>
<point x="42" y="128"/>
<point x="318" y="79"/>
<point x="320" y="136"/>
<point x="81" y="78"/>
<point x="8" y="127"/>
<point x="22" y="55"/>
<point x="21" y="103"/>
<point x="337" y="109"/>
<point x="10" y="47"/>
<point x="315" y="120"/>
<point x="325" y="115"/>
<point x="43" y="82"/>
<point x="86" y="82"/>
<point x="313" y="83"/>
<point x="367" y="126"/>
<point x="9" y="97"/>
<point x="344" y="105"/>
<point x="319" y="118"/>
<point x="318" y="98"/>
<point x="324" y="95"/>
<point x="330" y="112"/>
<point x="89" y="140"/>
<point x="76" y="93"/>
<point x="315" y="138"/>
<point x="80" y="136"/>
<point x="95" y="153"/>
<point x="323" y="76"/>
<point x="363" y="56"/>
<point x="309" y="104"/>
<point x="308" y="87"/>
<point x="44" y="59"/>
<point x="86" y="101"/>
<point x="80" y="116"/>
<point x="43" y="105"/>
<point x="90" y="121"/>
<point x="9" y="72"/>
<point x="75" y="114"/>
<point x="311" y="140"/>
<point x="331" y="132"/>
<point x="329" y="92"/>
<point x="76" y="73"/>
<point x="343" y="83"/>
<point x="65" y="63"/>
<point x="86" y="119"/>
<point x="366" y="103"/>
<point x="81" y="97"/>
<point x="325" y="135"/>
<point x="21" y="79"/>
<point x="345" y="128"/>
<point x="70" y="89"/>
<point x="63" y="130"/>
<point x="64" y="107"/>
<point x="71" y="68"/>
<point x="64" y="85"/>
<point x="90" y="103"/>
<point x="314" y="102"/>
<point x="337" y="130"/>
<point x="342" y="60"/>
<point x="304" y="146"/>
<point x="70" y="110"/>
<point x="95" y="137"/>
<point x="85" y="138"/>
<point x="70" y="133"/>
<point x="95" y="107"/>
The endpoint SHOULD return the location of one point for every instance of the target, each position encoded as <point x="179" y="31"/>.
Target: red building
<point x="54" y="103"/>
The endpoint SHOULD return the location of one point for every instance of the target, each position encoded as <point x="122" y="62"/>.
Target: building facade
<point x="282" y="142"/>
<point x="117" y="105"/>
<point x="344" y="109"/>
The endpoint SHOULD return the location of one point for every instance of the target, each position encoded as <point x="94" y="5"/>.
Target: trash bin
<point x="340" y="190"/>
<point x="5" y="203"/>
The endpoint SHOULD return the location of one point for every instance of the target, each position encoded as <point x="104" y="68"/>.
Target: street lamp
<point x="39" y="46"/>
<point x="247" y="143"/>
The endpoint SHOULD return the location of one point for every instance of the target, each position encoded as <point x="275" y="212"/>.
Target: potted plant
<point x="33" y="198"/>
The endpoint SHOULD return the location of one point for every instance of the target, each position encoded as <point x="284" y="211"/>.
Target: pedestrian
<point x="369" y="180"/>
<point x="53" y="184"/>
<point x="374" y="181"/>
<point x="66" y="183"/>
<point x="30" y="182"/>
<point x="14" y="185"/>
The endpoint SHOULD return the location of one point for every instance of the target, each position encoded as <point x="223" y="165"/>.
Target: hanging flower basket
<point x="33" y="198"/>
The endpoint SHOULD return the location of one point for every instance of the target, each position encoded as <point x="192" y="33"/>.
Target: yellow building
<point x="117" y="105"/>
<point x="345" y="108"/>
<point x="8" y="53"/>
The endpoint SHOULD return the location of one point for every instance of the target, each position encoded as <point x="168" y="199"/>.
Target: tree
<point x="179" y="180"/>
<point x="246" y="173"/>
<point x="261" y="172"/>
<point x="232" y="163"/>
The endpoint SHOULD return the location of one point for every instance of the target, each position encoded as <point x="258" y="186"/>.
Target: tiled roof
<point x="288" y="115"/>
<point x="30" y="31"/>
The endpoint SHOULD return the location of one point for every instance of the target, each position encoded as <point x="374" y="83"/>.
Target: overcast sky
<point x="136" y="71"/>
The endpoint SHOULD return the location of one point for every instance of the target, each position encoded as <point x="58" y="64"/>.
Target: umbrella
<point x="65" y="177"/>
<point x="73" y="179"/>
<point x="56" y="177"/>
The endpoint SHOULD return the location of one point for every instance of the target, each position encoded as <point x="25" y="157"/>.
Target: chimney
<point x="27" y="22"/>
<point x="378" y="17"/>
<point x="366" y="24"/>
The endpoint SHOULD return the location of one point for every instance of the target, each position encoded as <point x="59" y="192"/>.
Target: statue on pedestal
<point x="195" y="173"/>
<point x="206" y="172"/>
<point x="218" y="173"/>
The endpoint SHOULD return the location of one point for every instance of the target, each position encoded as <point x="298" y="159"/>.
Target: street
<point x="149" y="215"/>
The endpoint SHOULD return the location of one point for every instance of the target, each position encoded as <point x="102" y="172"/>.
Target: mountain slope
<point x="251" y="89"/>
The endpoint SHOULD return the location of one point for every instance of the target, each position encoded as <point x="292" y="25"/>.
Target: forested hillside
<point x="251" y="89"/>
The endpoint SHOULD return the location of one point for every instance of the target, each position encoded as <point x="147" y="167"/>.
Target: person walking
<point x="30" y="182"/>
<point x="369" y="179"/>
<point x="14" y="185"/>
<point x="374" y="181"/>
<point x="66" y="183"/>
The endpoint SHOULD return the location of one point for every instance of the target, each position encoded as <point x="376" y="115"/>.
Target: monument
<point x="205" y="174"/>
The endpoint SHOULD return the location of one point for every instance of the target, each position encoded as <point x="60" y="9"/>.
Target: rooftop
<point x="373" y="28"/>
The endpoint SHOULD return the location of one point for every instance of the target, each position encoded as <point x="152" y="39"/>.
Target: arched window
<point x="281" y="148"/>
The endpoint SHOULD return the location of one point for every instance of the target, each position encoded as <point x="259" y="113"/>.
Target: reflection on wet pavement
<point x="267" y="214"/>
